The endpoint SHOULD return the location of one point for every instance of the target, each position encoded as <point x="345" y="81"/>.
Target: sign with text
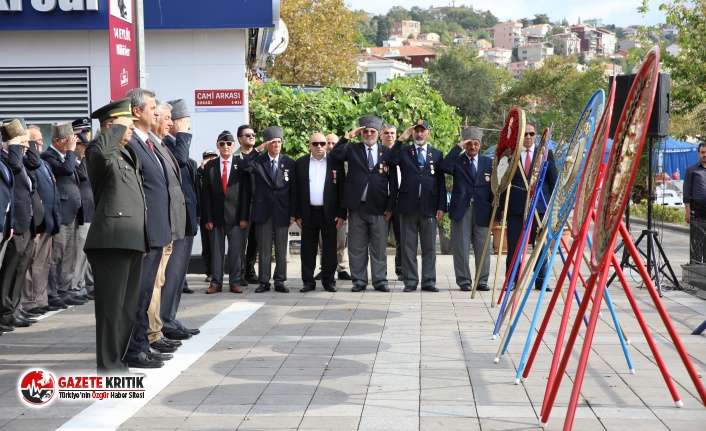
<point x="219" y="98"/>
<point x="121" y="42"/>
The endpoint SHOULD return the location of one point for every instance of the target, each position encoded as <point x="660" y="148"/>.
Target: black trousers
<point x="514" y="234"/>
<point x="395" y="226"/>
<point x="250" y="251"/>
<point x="117" y="274"/>
<point x="316" y="226"/>
<point x="138" y="339"/>
<point x="206" y="249"/>
<point x="17" y="257"/>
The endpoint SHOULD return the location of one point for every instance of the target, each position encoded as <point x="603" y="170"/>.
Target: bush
<point x="662" y="213"/>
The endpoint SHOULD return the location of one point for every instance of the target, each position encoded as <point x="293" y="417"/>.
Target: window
<point x="372" y="79"/>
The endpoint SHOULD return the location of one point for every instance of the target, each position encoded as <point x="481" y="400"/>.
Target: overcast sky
<point x="619" y="12"/>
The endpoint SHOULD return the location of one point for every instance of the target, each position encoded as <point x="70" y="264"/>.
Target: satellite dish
<point x="280" y="39"/>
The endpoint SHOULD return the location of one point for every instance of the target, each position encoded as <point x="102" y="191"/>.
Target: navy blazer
<point x="431" y="178"/>
<point x="24" y="188"/>
<point x="229" y="208"/>
<point x="333" y="189"/>
<point x="88" y="207"/>
<point x="7" y="184"/>
<point x="518" y="195"/>
<point x="278" y="196"/>
<point x="159" y="232"/>
<point x="180" y="150"/>
<point x="456" y="164"/>
<point x="381" y="181"/>
<point x="49" y="192"/>
<point x="67" y="181"/>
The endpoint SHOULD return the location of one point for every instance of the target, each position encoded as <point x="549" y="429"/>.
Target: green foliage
<point x="383" y="30"/>
<point x="660" y="213"/>
<point x="540" y="18"/>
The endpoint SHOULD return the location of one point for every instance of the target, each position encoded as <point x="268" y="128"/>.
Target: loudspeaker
<point x="658" y="126"/>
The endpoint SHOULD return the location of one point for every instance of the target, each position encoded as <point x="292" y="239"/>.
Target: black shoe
<point x="483" y="288"/>
<point x="144" y="361"/>
<point x="399" y="277"/>
<point x="330" y="287"/>
<point x="58" y="303"/>
<point x="263" y="287"/>
<point x="90" y="296"/>
<point x="344" y="275"/>
<point x="177" y="335"/>
<point x="383" y="288"/>
<point x="281" y="289"/>
<point x="190" y="331"/>
<point x="6" y="328"/>
<point x="243" y="282"/>
<point x="409" y="288"/>
<point x="170" y="342"/>
<point x="430" y="289"/>
<point x="358" y="288"/>
<point x="187" y="289"/>
<point x="156" y="355"/>
<point x="465" y="288"/>
<point x="162" y="347"/>
<point x="36" y="311"/>
<point x="548" y="289"/>
<point x="19" y="322"/>
<point x="74" y="301"/>
<point x="318" y="276"/>
<point x="251" y="278"/>
<point x="307" y="289"/>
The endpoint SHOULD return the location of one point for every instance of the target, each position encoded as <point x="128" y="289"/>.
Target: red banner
<point x="218" y="98"/>
<point x="121" y="41"/>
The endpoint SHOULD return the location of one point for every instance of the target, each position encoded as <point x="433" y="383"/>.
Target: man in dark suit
<point x="246" y="139"/>
<point x="82" y="278"/>
<point x="7" y="185"/>
<point x="319" y="211"/>
<point x="225" y="194"/>
<point x="421" y="203"/>
<point x="273" y="206"/>
<point x="34" y="292"/>
<point x="62" y="158"/>
<point x="518" y="198"/>
<point x="19" y="248"/>
<point x="159" y="228"/>
<point x="389" y="136"/>
<point x="371" y="189"/>
<point x="207" y="156"/>
<point x="117" y="238"/>
<point x="471" y="206"/>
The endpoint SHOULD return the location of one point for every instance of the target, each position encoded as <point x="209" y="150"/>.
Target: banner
<point x="121" y="41"/>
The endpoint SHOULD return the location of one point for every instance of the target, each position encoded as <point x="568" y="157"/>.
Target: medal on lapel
<point x="431" y="165"/>
<point x="334" y="176"/>
<point x="487" y="177"/>
<point x="286" y="174"/>
<point x="380" y="168"/>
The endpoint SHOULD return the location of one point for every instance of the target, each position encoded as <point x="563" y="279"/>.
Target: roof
<point x="499" y="49"/>
<point x="386" y="51"/>
<point x="536" y="44"/>
<point x="604" y="31"/>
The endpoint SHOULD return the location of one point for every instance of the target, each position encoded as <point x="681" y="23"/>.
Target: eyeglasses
<point x="249" y="135"/>
<point x="529" y="133"/>
<point x="225" y="143"/>
<point x="317" y="144"/>
<point x="370" y="131"/>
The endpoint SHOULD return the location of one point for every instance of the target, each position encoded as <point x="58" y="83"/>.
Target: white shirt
<point x="317" y="180"/>
<point x="374" y="149"/>
<point x="63" y="157"/>
<point x="525" y="155"/>
<point x="228" y="166"/>
<point x="473" y="161"/>
<point x="424" y="149"/>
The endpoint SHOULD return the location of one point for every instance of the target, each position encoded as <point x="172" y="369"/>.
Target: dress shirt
<point x="63" y="157"/>
<point x="524" y="155"/>
<point x="374" y="149"/>
<point x="317" y="179"/>
<point x="424" y="149"/>
<point x="229" y="166"/>
<point x="695" y="184"/>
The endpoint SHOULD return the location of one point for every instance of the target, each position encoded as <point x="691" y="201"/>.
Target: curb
<point x="659" y="225"/>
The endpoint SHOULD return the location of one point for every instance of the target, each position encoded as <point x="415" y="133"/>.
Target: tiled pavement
<point x="368" y="361"/>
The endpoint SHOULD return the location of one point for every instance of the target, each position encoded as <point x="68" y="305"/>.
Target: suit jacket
<point x="37" y="203"/>
<point x="276" y="197"/>
<point x="179" y="148"/>
<point x="333" y="189"/>
<point x="433" y="187"/>
<point x="51" y="201"/>
<point x="465" y="187"/>
<point x="24" y="188"/>
<point x="518" y="195"/>
<point x="67" y="181"/>
<point x="120" y="203"/>
<point x="154" y="184"/>
<point x="87" y="205"/>
<point x="381" y="181"/>
<point x="225" y="209"/>
<point x="7" y="185"/>
<point x="178" y="211"/>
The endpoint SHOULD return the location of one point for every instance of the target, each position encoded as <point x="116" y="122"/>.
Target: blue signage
<point x="158" y="14"/>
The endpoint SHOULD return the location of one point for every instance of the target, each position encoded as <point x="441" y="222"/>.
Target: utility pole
<point x="140" y="25"/>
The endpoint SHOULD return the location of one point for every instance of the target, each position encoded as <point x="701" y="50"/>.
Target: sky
<point x="622" y="13"/>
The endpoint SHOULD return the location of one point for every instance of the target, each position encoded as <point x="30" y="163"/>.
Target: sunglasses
<point x="225" y="143"/>
<point x="317" y="144"/>
<point x="249" y="135"/>
<point x="370" y="131"/>
<point x="529" y="133"/>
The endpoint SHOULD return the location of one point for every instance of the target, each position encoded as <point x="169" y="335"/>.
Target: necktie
<point x="473" y="168"/>
<point x="149" y="144"/>
<point x="528" y="162"/>
<point x="420" y="157"/>
<point x="371" y="164"/>
<point x="224" y="175"/>
<point x="274" y="169"/>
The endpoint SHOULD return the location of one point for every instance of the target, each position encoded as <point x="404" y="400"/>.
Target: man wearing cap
<point x="19" y="248"/>
<point x="63" y="159"/>
<point x="82" y="125"/>
<point x="421" y="203"/>
<point x="34" y="291"/>
<point x="117" y="238"/>
<point x="226" y="190"/>
<point x="389" y="136"/>
<point x="319" y="211"/>
<point x="207" y="156"/>
<point x="471" y="206"/>
<point x="155" y="184"/>
<point x="7" y="186"/>
<point x="370" y="192"/>
<point x="82" y="279"/>
<point x="273" y="206"/>
<point x="246" y="139"/>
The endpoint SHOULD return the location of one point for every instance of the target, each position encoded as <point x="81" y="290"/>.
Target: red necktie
<point x="528" y="162"/>
<point x="224" y="176"/>
<point x="149" y="144"/>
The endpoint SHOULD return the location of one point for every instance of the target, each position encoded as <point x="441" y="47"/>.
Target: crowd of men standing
<point x="114" y="218"/>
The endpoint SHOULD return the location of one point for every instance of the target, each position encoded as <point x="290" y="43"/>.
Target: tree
<point x="541" y="18"/>
<point x="383" y="33"/>
<point x="398" y="13"/>
<point x="322" y="47"/>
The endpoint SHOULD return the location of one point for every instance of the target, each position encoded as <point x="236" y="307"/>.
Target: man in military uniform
<point x="117" y="238"/>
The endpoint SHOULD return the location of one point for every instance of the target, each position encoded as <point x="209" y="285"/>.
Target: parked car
<point x="669" y="198"/>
